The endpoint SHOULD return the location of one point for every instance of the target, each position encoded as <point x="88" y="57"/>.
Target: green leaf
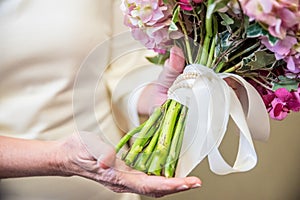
<point x="271" y="38"/>
<point x="244" y="67"/>
<point x="224" y="42"/>
<point x="285" y="82"/>
<point x="256" y="30"/>
<point x="261" y="59"/>
<point x="173" y="27"/>
<point x="217" y="5"/>
<point x="176" y="14"/>
<point x="174" y="20"/>
<point x="226" y="19"/>
<point x="159" y="59"/>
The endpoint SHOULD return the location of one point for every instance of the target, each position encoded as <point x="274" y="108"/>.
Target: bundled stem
<point x="162" y="148"/>
<point x="128" y="136"/>
<point x="208" y="36"/>
<point x="144" y="135"/>
<point x="173" y="156"/>
<point x="141" y="162"/>
<point x="157" y="148"/>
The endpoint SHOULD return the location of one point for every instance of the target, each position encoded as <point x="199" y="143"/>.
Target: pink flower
<point x="286" y="49"/>
<point x="283" y="103"/>
<point x="141" y="13"/>
<point x="155" y="38"/>
<point x="294" y="103"/>
<point x="282" y="48"/>
<point x="293" y="62"/>
<point x="278" y="110"/>
<point x="278" y="16"/>
<point x="149" y="21"/>
<point x="280" y="102"/>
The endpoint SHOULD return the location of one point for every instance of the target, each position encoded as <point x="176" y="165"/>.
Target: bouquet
<point x="252" y="43"/>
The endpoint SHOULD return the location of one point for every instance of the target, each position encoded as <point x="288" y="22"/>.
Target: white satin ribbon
<point x="211" y="102"/>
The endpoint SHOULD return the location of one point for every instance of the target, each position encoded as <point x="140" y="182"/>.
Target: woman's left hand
<point x="155" y="94"/>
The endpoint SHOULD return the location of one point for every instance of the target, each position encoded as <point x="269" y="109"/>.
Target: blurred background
<point x="275" y="177"/>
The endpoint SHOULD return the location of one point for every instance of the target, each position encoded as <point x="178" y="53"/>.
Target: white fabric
<point x="211" y="102"/>
<point x="43" y="45"/>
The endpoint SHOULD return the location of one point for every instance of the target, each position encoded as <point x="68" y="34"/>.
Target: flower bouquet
<point x="243" y="53"/>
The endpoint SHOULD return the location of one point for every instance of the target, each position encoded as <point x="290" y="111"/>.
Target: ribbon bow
<point x="211" y="102"/>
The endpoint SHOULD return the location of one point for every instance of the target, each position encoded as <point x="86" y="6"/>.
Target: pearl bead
<point x="186" y="76"/>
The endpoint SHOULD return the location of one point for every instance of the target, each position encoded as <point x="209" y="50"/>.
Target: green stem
<point x="199" y="51"/>
<point x="211" y="53"/>
<point x="140" y="163"/>
<point x="243" y="52"/>
<point x="144" y="136"/>
<point x="208" y="35"/>
<point x="235" y="67"/>
<point x="219" y="67"/>
<point x="187" y="43"/>
<point x="174" y="153"/>
<point x="205" y="49"/>
<point x="143" y="162"/>
<point x="164" y="140"/>
<point x="128" y="136"/>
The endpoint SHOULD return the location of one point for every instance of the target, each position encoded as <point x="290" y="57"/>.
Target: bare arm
<point x="68" y="157"/>
<point x="21" y="158"/>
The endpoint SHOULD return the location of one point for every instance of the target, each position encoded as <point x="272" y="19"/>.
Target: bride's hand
<point x="86" y="155"/>
<point x="155" y="94"/>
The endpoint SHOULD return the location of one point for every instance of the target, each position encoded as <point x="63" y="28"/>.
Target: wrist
<point x="59" y="159"/>
<point x="23" y="158"/>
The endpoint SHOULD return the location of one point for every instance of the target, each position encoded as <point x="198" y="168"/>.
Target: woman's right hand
<point x="99" y="163"/>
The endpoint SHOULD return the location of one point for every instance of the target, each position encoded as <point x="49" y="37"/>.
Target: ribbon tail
<point x="206" y="122"/>
<point x="196" y="128"/>
<point x="255" y="110"/>
<point x="246" y="157"/>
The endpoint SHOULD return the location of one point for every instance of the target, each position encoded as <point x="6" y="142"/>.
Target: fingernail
<point x="183" y="187"/>
<point x="196" y="185"/>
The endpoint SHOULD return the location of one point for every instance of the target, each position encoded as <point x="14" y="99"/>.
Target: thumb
<point x="176" y="60"/>
<point x="104" y="153"/>
<point x="173" y="67"/>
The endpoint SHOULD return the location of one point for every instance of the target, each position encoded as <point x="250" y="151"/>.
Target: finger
<point x="173" y="67"/>
<point x="104" y="153"/>
<point x="176" y="60"/>
<point x="107" y="158"/>
<point x="158" y="185"/>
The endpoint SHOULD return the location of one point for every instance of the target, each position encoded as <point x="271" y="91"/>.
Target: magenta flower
<point x="197" y="1"/>
<point x="187" y="4"/>
<point x="278" y="110"/>
<point x="280" y="102"/>
<point x="284" y="102"/>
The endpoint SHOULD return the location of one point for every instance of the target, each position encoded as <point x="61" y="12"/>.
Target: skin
<point x="156" y="93"/>
<point x="70" y="157"/>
